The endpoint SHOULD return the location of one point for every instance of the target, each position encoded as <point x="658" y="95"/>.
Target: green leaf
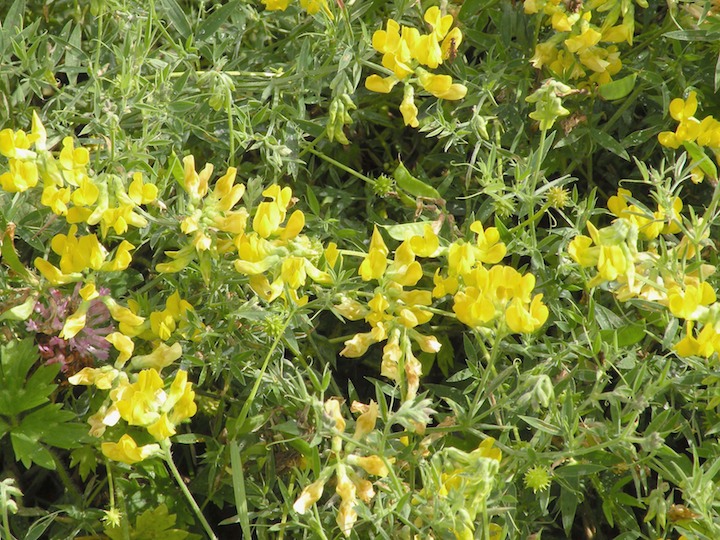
<point x="13" y="23"/>
<point x="631" y="334"/>
<point x="405" y="231"/>
<point x="9" y="254"/>
<point x="177" y="17"/>
<point x="568" y="506"/>
<point x="153" y="524"/>
<point x="541" y="425"/>
<point x="701" y="159"/>
<point x="693" y="35"/>
<point x="17" y="395"/>
<point x="618" y="89"/>
<point x="20" y="312"/>
<point x="211" y="25"/>
<point x="39" y="526"/>
<point x="312" y="201"/>
<point x="238" y="479"/>
<point x="30" y="451"/>
<point x="84" y="459"/>
<point x="608" y="143"/>
<point x="579" y="469"/>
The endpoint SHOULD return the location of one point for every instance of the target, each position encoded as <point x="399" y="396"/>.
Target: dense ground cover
<point x="359" y="269"/>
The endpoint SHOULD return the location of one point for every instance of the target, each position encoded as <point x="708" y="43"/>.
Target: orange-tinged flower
<point x="374" y="465"/>
<point x="309" y="496"/>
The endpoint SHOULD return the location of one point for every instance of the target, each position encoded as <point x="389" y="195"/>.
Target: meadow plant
<point x="247" y="294"/>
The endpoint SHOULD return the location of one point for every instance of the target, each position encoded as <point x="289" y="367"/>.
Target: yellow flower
<point x="102" y="377"/>
<point x="22" y="176"/>
<point x="374" y="265"/>
<point x="53" y="274"/>
<point x="309" y="496"/>
<point x="181" y="398"/>
<point x="370" y="464"/>
<point x="522" y="319"/>
<point x="127" y="451"/>
<point x="705" y="344"/>
<point x="376" y="83"/>
<point x="138" y="403"/>
<point x="276" y="5"/>
<point x="73" y="161"/>
<point x="366" y="421"/>
<point x="440" y="86"/>
<point x="681" y="109"/>
<point x="123" y="344"/>
<point x="332" y="409"/>
<point x="140" y="192"/>
<point x="162" y="356"/>
<point x="196" y="184"/>
<point x="439" y="22"/>
<point x="685" y="304"/>
<point x="490" y="249"/>
<point x="346" y="516"/>
<point x="122" y="258"/>
<point x="162" y="428"/>
<point x="408" y="108"/>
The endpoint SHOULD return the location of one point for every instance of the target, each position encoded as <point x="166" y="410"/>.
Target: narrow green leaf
<point x="239" y="488"/>
<point x="211" y="25"/>
<point x="701" y="159"/>
<point x="9" y="254"/>
<point x="618" y="89"/>
<point x="312" y="201"/>
<point x="608" y="143"/>
<point x="177" y="17"/>
<point x="13" y="22"/>
<point x="541" y="425"/>
<point x="693" y="35"/>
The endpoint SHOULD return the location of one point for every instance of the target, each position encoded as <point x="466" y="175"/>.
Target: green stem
<point x="186" y="492"/>
<point x="532" y="219"/>
<point x="341" y="166"/>
<point x="65" y="478"/>
<point x="231" y="125"/>
<point x="253" y="392"/>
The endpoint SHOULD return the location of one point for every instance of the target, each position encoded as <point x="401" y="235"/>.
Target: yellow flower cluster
<point x="405" y="50"/>
<point x="393" y="312"/>
<point x="274" y="254"/>
<point x="209" y="215"/>
<point x="279" y="251"/>
<point x="144" y="403"/>
<point x="350" y="469"/>
<point x="660" y="278"/>
<point x="458" y="485"/>
<point x="311" y="6"/>
<point x="694" y="134"/>
<point x="577" y="46"/>
<point x="484" y="296"/>
<point x="69" y="188"/>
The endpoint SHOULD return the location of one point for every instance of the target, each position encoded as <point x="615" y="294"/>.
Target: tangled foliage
<point x="243" y="297"/>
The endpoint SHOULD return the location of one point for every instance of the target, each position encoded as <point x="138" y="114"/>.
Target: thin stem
<point x="253" y="392"/>
<point x="341" y="166"/>
<point x="186" y="492"/>
<point x="231" y="125"/>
